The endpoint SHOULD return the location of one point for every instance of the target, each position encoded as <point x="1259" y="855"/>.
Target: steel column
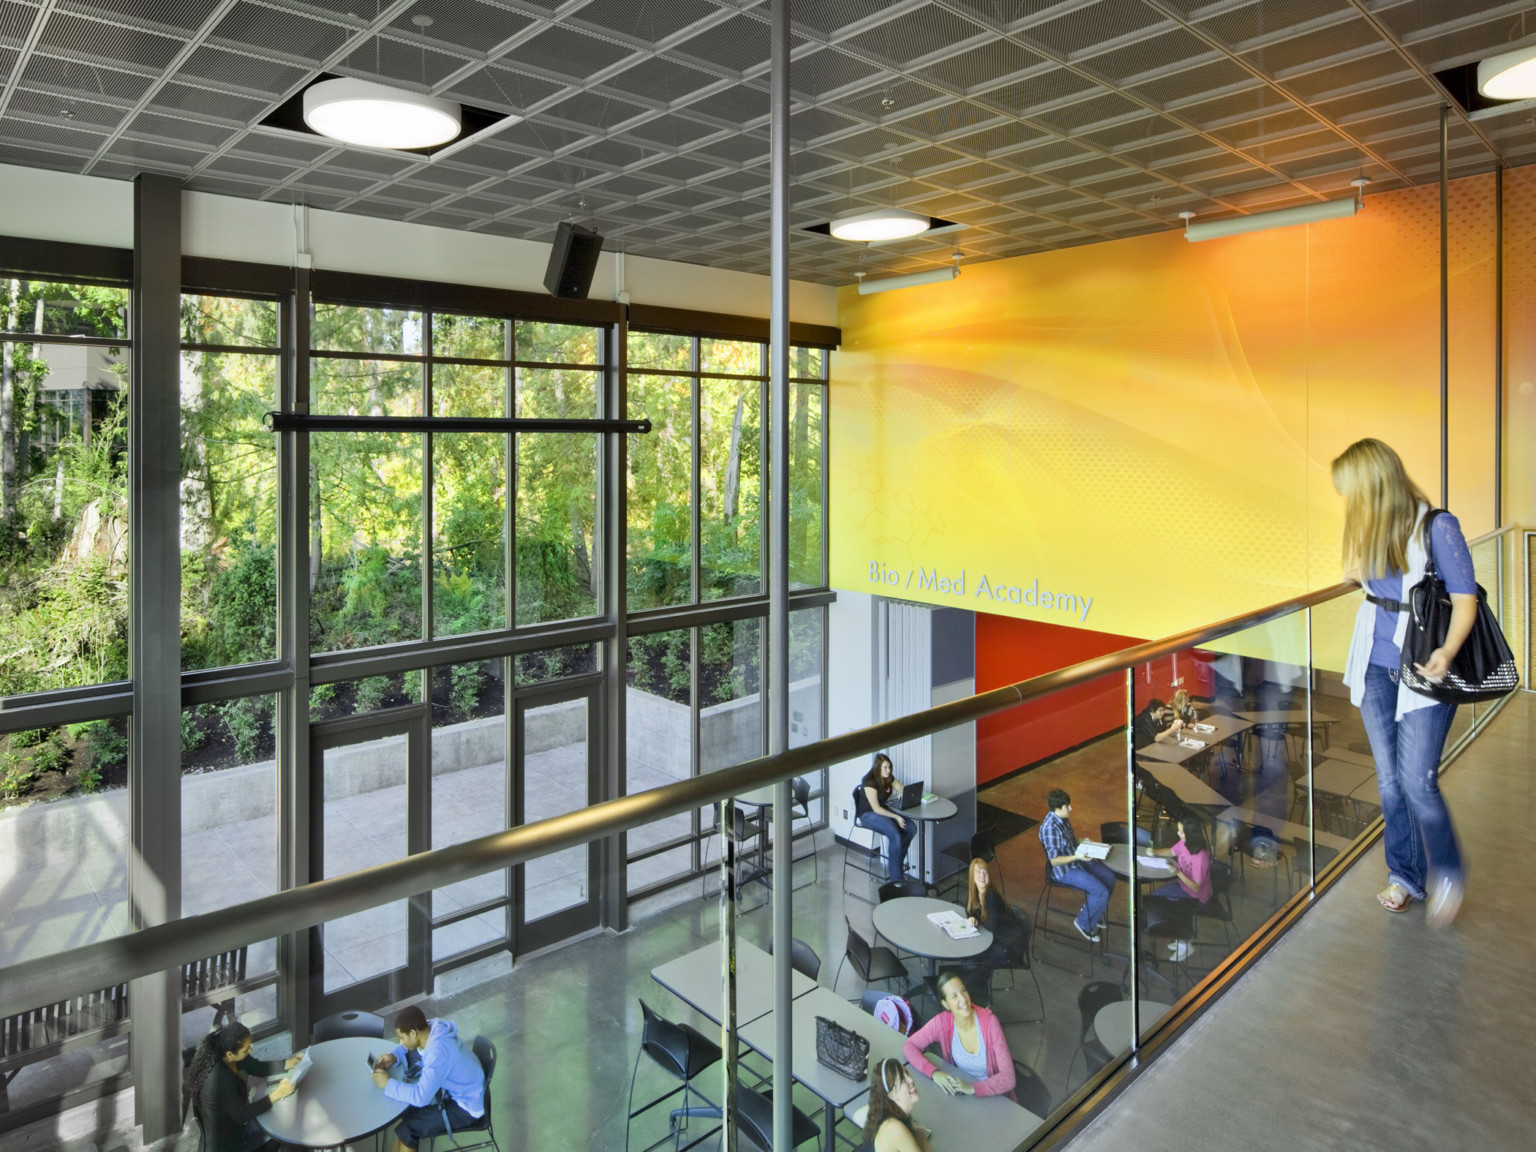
<point x="154" y="640"/>
<point x="778" y="577"/>
<point x="293" y="768"/>
<point x="1498" y="354"/>
<point x="1445" y="315"/>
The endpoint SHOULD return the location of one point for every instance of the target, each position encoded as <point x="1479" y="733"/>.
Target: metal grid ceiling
<point x="1032" y="125"/>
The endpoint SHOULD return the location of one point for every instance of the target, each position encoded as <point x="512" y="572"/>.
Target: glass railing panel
<point x="1222" y="801"/>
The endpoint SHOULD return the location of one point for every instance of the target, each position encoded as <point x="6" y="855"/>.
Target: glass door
<point x="556" y="756"/>
<point x="369" y="806"/>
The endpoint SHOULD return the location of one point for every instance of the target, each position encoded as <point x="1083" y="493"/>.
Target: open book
<point x="955" y="925"/>
<point x="1189" y="742"/>
<point x="1092" y="850"/>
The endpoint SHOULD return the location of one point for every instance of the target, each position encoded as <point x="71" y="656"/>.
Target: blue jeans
<point x="1094" y="878"/>
<point x="897" y="839"/>
<point x="1419" y="836"/>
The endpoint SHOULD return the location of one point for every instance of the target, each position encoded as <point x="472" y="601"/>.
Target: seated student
<point x="970" y="1038"/>
<point x="870" y="812"/>
<point x="1183" y="709"/>
<point x="1192" y="876"/>
<point x="1155" y="723"/>
<point x="888" y="1124"/>
<point x="447" y="1067"/>
<point x="1066" y="866"/>
<point x="986" y="907"/>
<point x="216" y="1084"/>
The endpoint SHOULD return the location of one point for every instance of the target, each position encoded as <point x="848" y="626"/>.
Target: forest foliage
<point x="408" y="535"/>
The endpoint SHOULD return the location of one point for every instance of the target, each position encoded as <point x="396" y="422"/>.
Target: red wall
<point x="1009" y="650"/>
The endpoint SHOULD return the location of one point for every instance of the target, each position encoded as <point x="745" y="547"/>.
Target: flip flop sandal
<point x="1387" y="901"/>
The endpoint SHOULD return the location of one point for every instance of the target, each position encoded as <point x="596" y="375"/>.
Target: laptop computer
<point x="910" y="796"/>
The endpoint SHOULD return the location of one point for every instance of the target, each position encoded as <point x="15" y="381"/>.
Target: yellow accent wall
<point x="1134" y="436"/>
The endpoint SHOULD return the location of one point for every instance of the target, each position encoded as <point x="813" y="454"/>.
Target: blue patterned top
<point x="1057" y="838"/>
<point x="1453" y="560"/>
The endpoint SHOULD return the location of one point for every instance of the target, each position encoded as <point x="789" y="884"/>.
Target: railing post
<point x="728" y="971"/>
<point x="1133" y="960"/>
<point x="1311" y="805"/>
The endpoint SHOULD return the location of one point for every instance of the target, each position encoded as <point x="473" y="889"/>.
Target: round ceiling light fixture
<point x="1510" y="76"/>
<point x="880" y="224"/>
<point x="377" y="116"/>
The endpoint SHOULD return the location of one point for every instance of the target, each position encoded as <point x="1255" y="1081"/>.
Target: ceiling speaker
<point x="572" y="260"/>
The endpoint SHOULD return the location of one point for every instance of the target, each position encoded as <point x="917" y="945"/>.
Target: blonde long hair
<point x="1381" y="506"/>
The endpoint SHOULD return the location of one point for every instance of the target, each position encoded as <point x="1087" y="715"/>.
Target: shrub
<point x="51" y="754"/>
<point x="464" y="693"/>
<point x="245" y="720"/>
<point x="192" y="734"/>
<point x="16" y="775"/>
<point x="321" y="697"/>
<point x="28" y="737"/>
<point x="371" y="693"/>
<point x="107" y="748"/>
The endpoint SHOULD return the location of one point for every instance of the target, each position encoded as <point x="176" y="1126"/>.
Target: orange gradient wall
<point x="1133" y="437"/>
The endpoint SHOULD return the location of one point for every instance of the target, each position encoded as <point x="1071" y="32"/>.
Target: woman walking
<point x="1385" y="550"/>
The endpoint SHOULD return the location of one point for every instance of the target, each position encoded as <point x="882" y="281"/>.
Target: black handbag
<point x="1483" y="669"/>
<point x="841" y="1049"/>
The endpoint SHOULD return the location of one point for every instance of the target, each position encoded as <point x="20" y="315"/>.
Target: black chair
<point x="1219" y="906"/>
<point x="802" y="958"/>
<point x="870" y="861"/>
<point x="683" y="1053"/>
<point x="1016" y="956"/>
<point x="1095" y="995"/>
<point x="343" y="1024"/>
<point x="906" y="886"/>
<point x="1168" y="920"/>
<point x="745" y="830"/>
<point x="1302" y="847"/>
<point x="1031" y="1091"/>
<point x="485" y="1052"/>
<point x="873" y="965"/>
<point x="1118" y="832"/>
<point x="801" y="791"/>
<point x="754" y="1116"/>
<point x="1066" y="901"/>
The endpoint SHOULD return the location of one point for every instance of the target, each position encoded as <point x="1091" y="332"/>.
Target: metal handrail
<point x="46" y="979"/>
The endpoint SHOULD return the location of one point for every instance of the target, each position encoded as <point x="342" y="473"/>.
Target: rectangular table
<point x="695" y="980"/>
<point x="971" y="1123"/>
<point x="1283" y="829"/>
<point x="1337" y="778"/>
<point x="1349" y="757"/>
<point x="1183" y="783"/>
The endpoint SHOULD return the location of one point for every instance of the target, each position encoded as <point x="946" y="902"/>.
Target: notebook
<point x="1092" y="850"/>
<point x="955" y="925"/>
<point x="911" y="796"/>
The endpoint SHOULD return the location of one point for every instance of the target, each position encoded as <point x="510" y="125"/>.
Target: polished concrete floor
<point x="1367" y="1031"/>
<point x="1340" y="1035"/>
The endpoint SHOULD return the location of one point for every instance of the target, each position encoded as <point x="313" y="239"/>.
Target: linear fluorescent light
<point x="880" y="224"/>
<point x="1280" y="218"/>
<point x="1510" y="76"/>
<point x="376" y="116"/>
<point x="910" y="280"/>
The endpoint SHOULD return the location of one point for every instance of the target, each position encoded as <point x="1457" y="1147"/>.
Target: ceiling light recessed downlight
<point x="880" y="224"/>
<point x="1511" y="76"/>
<point x="376" y="116"/>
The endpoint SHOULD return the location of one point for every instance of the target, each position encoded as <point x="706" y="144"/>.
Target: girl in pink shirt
<point x="970" y="1038"/>
<point x="1192" y="877"/>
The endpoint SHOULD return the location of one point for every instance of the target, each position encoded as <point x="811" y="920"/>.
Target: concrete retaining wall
<point x="67" y="831"/>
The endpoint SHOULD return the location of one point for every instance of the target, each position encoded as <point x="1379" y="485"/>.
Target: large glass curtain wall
<point x="447" y="673"/>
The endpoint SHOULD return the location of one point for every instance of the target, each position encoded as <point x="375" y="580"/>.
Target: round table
<point x="904" y="922"/>
<point x="336" y="1102"/>
<point x="1119" y="862"/>
<point x="1112" y="1023"/>
<point x="939" y="808"/>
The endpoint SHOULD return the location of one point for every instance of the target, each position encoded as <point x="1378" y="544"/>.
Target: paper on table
<point x="301" y="1069"/>
<point x="1203" y="727"/>
<point x="1156" y="863"/>
<point x="1186" y="742"/>
<point x="956" y="925"/>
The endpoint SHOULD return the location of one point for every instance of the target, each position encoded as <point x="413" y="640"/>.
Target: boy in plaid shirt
<point x="1092" y="877"/>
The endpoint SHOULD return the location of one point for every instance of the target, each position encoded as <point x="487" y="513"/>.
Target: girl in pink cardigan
<point x="970" y="1038"/>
